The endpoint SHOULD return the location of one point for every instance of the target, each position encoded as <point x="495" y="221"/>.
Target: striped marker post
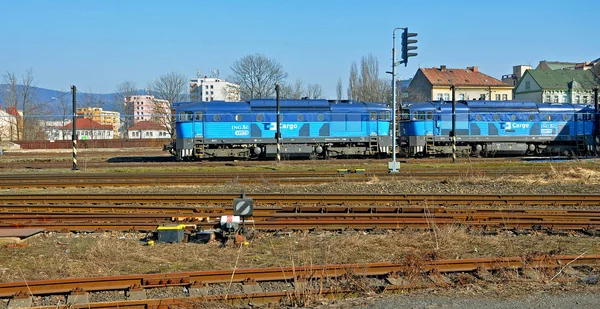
<point x="74" y="135"/>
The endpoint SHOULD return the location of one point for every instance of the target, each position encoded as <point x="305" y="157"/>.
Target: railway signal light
<point x="406" y="47"/>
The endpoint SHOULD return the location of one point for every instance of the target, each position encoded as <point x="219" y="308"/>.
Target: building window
<point x="527" y="85"/>
<point x="211" y="86"/>
<point x="211" y="92"/>
<point x="577" y="99"/>
<point x="505" y="97"/>
<point x="439" y="97"/>
<point x="497" y="97"/>
<point x="446" y="97"/>
<point x="461" y="96"/>
<point x="547" y="98"/>
<point x="555" y="99"/>
<point x="585" y="99"/>
<point x="564" y="98"/>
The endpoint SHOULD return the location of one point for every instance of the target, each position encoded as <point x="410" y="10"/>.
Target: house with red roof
<point x="433" y="84"/>
<point x="147" y="129"/>
<point x="86" y="129"/>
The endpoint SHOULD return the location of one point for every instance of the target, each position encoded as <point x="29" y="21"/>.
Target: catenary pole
<point x="278" y="132"/>
<point x="453" y="133"/>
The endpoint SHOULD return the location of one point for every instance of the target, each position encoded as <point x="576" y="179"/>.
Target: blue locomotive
<point x="496" y="128"/>
<point x="313" y="128"/>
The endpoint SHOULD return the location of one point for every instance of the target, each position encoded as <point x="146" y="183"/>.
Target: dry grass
<point x="52" y="257"/>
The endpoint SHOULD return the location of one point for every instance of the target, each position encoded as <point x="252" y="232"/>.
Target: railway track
<point x="18" y="181"/>
<point x="308" y="199"/>
<point x="340" y="279"/>
<point x="147" y="218"/>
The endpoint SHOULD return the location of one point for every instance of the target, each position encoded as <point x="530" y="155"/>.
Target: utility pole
<point x="278" y="132"/>
<point x="453" y="132"/>
<point x="74" y="135"/>
<point x="596" y="122"/>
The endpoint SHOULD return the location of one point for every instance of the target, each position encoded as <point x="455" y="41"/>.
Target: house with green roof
<point x="557" y="86"/>
<point x="555" y="65"/>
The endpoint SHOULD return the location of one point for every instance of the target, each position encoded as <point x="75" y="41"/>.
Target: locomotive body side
<point x="314" y="128"/>
<point x="496" y="128"/>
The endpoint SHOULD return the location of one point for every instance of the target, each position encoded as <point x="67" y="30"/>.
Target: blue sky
<point x="98" y="44"/>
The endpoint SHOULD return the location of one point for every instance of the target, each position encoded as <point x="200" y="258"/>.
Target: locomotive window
<point x="478" y="117"/>
<point x="373" y="116"/>
<point x="238" y="117"/>
<point x="565" y="117"/>
<point x="531" y="117"/>
<point x="300" y="117"/>
<point x="496" y="117"/>
<point x="429" y="115"/>
<point x="419" y="116"/>
<point x="548" y="117"/>
<point x="260" y="117"/>
<point x="513" y="117"/>
<point x="589" y="117"/>
<point x="189" y="116"/>
<point x="405" y="114"/>
<point x="197" y="116"/>
<point x="320" y="117"/>
<point x="217" y="117"/>
<point x="382" y="116"/>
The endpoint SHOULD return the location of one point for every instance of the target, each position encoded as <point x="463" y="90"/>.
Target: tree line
<point x="256" y="74"/>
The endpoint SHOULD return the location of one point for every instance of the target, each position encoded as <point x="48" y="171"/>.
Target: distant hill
<point x="57" y="100"/>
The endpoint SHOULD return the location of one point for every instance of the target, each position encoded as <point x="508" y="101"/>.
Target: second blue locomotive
<point x="497" y="128"/>
<point x="313" y="128"/>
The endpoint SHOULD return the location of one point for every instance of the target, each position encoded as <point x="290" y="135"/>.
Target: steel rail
<point x="201" y="278"/>
<point x="291" y="218"/>
<point x="274" y="199"/>
<point x="245" y="177"/>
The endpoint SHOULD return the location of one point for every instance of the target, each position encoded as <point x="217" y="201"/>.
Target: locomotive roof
<point x="498" y="106"/>
<point x="285" y="105"/>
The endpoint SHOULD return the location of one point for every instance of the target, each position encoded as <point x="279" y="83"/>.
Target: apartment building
<point x="208" y="89"/>
<point x="146" y="108"/>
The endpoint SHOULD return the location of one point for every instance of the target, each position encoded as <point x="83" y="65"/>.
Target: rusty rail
<point x="331" y="199"/>
<point x="131" y="217"/>
<point x="203" y="279"/>
<point x="14" y="181"/>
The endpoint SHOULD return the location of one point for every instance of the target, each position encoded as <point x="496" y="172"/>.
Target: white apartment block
<point x="208" y="89"/>
<point x="147" y="108"/>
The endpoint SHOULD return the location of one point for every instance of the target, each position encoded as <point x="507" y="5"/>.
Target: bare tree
<point x="366" y="85"/>
<point x="123" y="90"/>
<point x="257" y="75"/>
<point x="172" y="87"/>
<point x="339" y="89"/>
<point x="353" y="82"/>
<point x="23" y="97"/>
<point x="299" y="90"/>
<point x="314" y="91"/>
